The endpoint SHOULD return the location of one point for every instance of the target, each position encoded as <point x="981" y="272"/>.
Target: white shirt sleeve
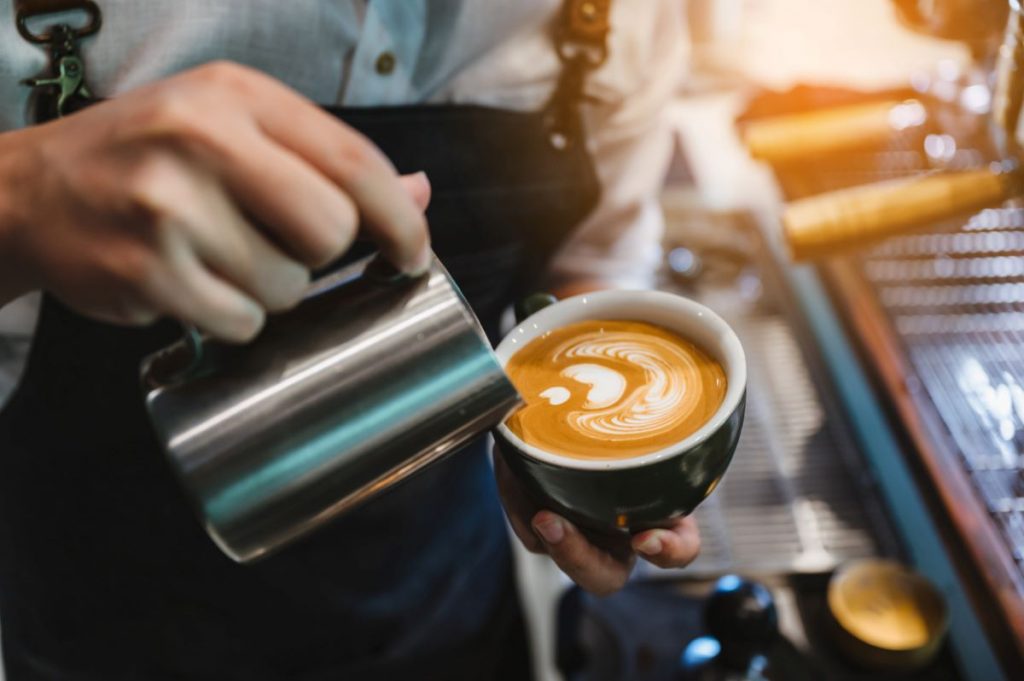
<point x="619" y="244"/>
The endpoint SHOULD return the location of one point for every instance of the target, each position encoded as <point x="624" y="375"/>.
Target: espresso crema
<point x="612" y="389"/>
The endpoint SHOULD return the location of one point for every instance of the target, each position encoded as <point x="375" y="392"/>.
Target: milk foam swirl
<point x="613" y="388"/>
<point x="649" y="407"/>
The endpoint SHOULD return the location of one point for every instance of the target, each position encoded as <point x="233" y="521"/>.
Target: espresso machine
<point x="905" y="208"/>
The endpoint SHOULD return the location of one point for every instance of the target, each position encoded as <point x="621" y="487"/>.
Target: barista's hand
<point x="599" y="570"/>
<point x="206" y="197"/>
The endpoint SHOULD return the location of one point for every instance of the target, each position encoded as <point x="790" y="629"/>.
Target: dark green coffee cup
<point x="632" y="494"/>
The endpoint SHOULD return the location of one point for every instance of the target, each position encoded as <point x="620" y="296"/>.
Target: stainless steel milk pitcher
<point x="372" y="377"/>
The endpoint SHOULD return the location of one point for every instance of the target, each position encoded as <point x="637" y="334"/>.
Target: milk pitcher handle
<point x="532" y="304"/>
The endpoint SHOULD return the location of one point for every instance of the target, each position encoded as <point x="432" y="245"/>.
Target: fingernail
<point x="650" y="546"/>
<point x="298" y="278"/>
<point x="551" y="531"/>
<point x="249" y="324"/>
<point x="422" y="263"/>
<point x="292" y="283"/>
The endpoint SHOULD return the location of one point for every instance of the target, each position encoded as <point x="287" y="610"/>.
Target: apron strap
<point x="63" y="89"/>
<point x="581" y="39"/>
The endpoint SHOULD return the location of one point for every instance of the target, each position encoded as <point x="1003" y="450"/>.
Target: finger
<point x="518" y="509"/>
<point x="310" y="217"/>
<point x="354" y="164"/>
<point x="237" y="252"/>
<point x="184" y="289"/>
<point x="418" y="187"/>
<point x="670" y="548"/>
<point x="590" y="567"/>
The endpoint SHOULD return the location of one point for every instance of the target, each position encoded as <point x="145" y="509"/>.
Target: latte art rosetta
<point x="612" y="389"/>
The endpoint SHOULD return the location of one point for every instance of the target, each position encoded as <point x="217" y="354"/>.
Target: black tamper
<point x="742" y="625"/>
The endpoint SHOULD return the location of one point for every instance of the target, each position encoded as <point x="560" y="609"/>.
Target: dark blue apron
<point x="105" y="574"/>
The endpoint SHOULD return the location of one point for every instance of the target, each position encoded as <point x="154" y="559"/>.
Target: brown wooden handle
<point x="787" y="138"/>
<point x="827" y="224"/>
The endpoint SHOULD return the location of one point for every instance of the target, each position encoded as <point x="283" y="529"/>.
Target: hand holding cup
<point x="637" y="428"/>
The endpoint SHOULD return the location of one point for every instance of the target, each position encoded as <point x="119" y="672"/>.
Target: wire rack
<point x="954" y="296"/>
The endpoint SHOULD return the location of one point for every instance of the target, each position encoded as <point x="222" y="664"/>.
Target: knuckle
<point x="148" y="182"/>
<point x="138" y="270"/>
<point x="172" y="118"/>
<point x="225" y="73"/>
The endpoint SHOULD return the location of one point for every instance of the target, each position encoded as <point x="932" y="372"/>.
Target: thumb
<point x="418" y="187"/>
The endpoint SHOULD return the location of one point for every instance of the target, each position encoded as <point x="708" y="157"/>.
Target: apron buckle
<point x="28" y="9"/>
<point x="581" y="40"/>
<point x="66" y="85"/>
<point x="69" y="83"/>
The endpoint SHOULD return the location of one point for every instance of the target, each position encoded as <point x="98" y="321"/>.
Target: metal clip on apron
<point x="104" y="573"/>
<point x="66" y="87"/>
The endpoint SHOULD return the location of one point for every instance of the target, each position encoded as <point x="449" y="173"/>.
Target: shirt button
<point x="385" y="63"/>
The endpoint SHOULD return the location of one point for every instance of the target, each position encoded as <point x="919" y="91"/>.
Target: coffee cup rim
<point x="728" y="350"/>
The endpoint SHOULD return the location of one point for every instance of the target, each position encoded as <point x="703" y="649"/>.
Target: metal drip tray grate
<point x="954" y="296"/>
<point x="959" y="310"/>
